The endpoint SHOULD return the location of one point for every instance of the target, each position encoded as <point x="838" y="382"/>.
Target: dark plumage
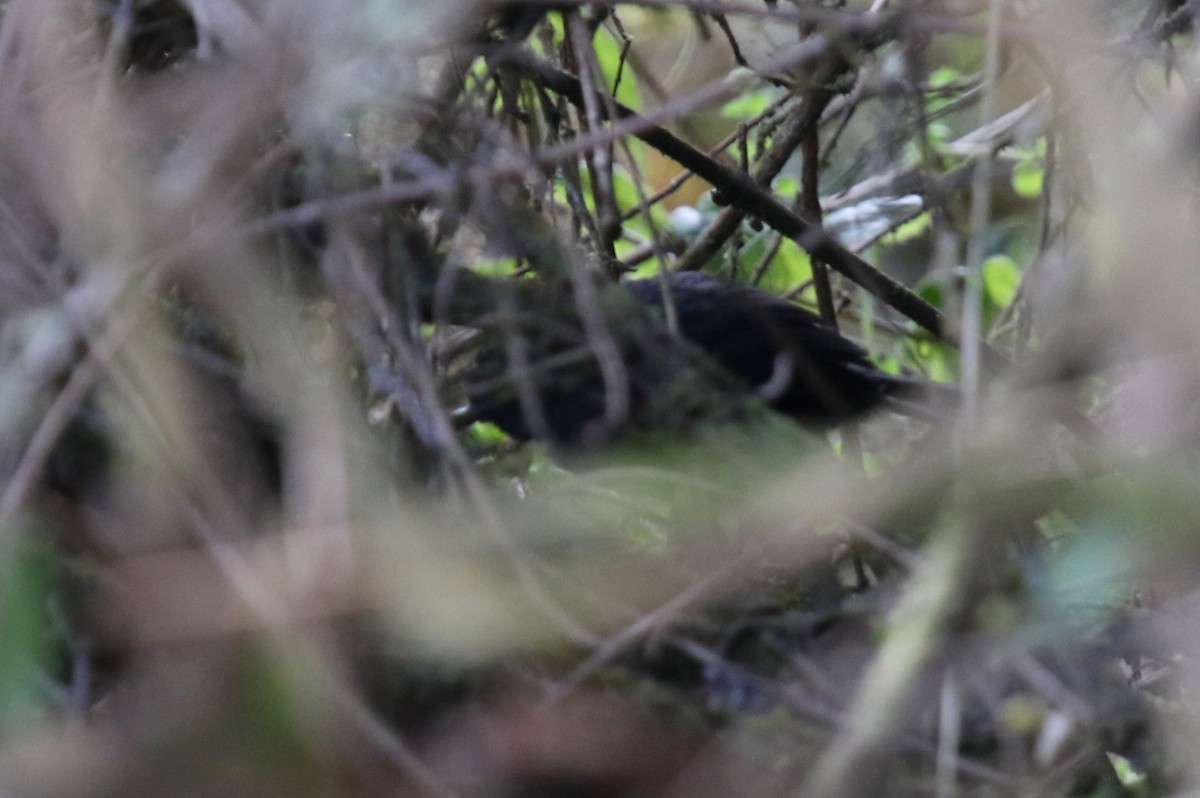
<point x="796" y="363"/>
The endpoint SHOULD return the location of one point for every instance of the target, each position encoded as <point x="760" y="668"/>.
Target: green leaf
<point x="937" y="360"/>
<point x="1129" y="775"/>
<point x="26" y="579"/>
<point x="495" y="267"/>
<point x="1029" y="173"/>
<point x="931" y="291"/>
<point x="487" y="433"/>
<point x="939" y="78"/>
<point x="557" y="35"/>
<point x="1028" y="179"/>
<point x="749" y="104"/>
<point x="1000" y="279"/>
<point x="608" y="53"/>
<point x="272" y="692"/>
<point x="787" y="187"/>
<point x="939" y="134"/>
<point x="943" y="76"/>
<point x="789" y="268"/>
<point x="913" y="228"/>
<point x="626" y="193"/>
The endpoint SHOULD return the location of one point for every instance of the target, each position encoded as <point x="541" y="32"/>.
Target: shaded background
<point x="253" y="542"/>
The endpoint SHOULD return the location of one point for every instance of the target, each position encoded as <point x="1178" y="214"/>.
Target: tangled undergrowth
<point x="265" y="264"/>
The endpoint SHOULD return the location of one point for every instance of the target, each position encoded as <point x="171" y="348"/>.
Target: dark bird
<point x="790" y="358"/>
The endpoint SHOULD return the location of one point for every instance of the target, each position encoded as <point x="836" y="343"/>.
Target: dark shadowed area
<point x="593" y="400"/>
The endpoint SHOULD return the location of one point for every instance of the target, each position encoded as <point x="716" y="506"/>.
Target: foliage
<point x="263" y="262"/>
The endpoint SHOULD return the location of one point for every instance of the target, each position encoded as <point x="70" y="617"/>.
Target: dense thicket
<point x="268" y="268"/>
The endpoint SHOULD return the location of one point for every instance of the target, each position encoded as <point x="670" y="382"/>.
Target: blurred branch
<point x="745" y="193"/>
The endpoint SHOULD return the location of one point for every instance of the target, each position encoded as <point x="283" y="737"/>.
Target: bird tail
<point x="920" y="399"/>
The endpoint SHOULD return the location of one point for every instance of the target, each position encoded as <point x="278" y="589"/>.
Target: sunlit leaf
<point x="608" y="53"/>
<point x="749" y="104"/>
<point x="487" y="432"/>
<point x="1000" y="279"/>
<point x="1127" y="773"/>
<point x="913" y="228"/>
<point x="1027" y="179"/>
<point x="495" y="267"/>
<point x="786" y="187"/>
<point x="942" y="76"/>
<point x="790" y="267"/>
